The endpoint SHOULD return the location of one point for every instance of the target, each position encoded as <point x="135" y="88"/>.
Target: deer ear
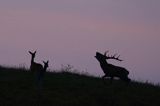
<point x="30" y="52"/>
<point x="35" y="52"/>
<point x="47" y="61"/>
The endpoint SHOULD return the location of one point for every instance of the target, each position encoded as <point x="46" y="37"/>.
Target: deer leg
<point x="111" y="79"/>
<point x="103" y="77"/>
<point x="128" y="80"/>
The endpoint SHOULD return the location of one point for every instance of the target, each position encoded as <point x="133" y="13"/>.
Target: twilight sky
<point x="71" y="31"/>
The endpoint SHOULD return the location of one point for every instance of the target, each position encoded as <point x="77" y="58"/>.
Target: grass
<point x="18" y="88"/>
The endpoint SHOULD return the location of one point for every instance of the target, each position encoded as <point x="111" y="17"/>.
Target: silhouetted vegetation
<point x="18" y="88"/>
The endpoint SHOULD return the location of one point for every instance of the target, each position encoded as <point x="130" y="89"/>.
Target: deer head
<point x="32" y="54"/>
<point x="103" y="57"/>
<point x="45" y="65"/>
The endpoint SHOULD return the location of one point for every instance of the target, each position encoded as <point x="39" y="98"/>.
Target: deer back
<point x="36" y="67"/>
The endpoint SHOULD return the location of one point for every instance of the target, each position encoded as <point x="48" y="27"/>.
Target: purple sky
<point x="71" y="31"/>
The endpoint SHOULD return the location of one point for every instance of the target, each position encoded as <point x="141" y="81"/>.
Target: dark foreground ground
<point x="18" y="88"/>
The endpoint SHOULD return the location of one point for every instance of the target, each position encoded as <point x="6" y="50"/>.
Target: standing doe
<point x="34" y="66"/>
<point x="45" y="65"/>
<point x="41" y="74"/>
<point x="112" y="70"/>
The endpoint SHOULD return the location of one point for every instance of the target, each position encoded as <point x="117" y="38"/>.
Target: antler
<point x="112" y="56"/>
<point x="105" y="53"/>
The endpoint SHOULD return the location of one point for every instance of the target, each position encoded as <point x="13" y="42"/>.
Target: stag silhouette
<point x="34" y="66"/>
<point x="112" y="70"/>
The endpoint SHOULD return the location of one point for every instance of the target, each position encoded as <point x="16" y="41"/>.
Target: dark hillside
<point x="18" y="88"/>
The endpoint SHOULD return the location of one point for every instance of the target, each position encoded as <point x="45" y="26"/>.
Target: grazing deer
<point x="112" y="70"/>
<point x="34" y="66"/>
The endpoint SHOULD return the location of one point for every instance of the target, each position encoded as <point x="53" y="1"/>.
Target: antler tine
<point x="114" y="57"/>
<point x="117" y="58"/>
<point x="105" y="53"/>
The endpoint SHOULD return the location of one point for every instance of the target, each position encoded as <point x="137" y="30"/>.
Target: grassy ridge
<point x="18" y="88"/>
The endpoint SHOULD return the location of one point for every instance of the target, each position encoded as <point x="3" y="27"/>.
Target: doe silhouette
<point x="45" y="66"/>
<point x="112" y="70"/>
<point x="41" y="73"/>
<point x="34" y="66"/>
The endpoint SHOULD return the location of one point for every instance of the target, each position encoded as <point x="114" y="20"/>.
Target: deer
<point x="45" y="66"/>
<point x="34" y="66"/>
<point x="112" y="70"/>
<point x="40" y="74"/>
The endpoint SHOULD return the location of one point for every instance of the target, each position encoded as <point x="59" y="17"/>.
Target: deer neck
<point x="45" y="68"/>
<point x="32" y="60"/>
<point x="103" y="63"/>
